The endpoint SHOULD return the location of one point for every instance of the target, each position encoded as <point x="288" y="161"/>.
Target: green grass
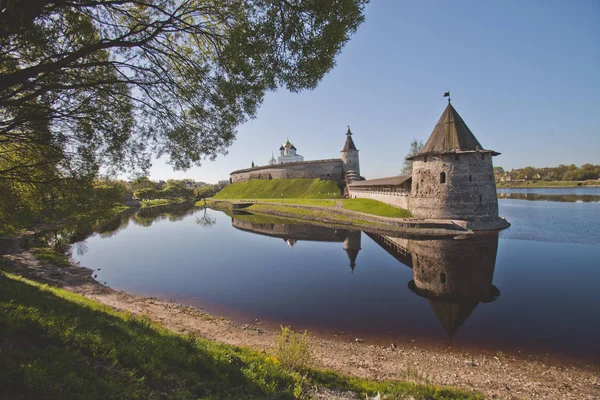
<point x="51" y="256"/>
<point x="58" y="345"/>
<point x="307" y="213"/>
<point x="273" y="189"/>
<point x="161" y="202"/>
<point x="376" y="208"/>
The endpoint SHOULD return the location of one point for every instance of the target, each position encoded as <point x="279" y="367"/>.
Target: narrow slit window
<point x="425" y="159"/>
<point x="443" y="177"/>
<point x="483" y="156"/>
<point x="480" y="198"/>
<point x="470" y="178"/>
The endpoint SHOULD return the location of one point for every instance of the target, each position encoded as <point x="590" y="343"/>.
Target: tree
<point x="108" y="83"/>
<point x="415" y="147"/>
<point x="146" y="194"/>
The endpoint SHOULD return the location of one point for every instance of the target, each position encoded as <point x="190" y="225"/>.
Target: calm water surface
<point x="572" y="195"/>
<point x="533" y="287"/>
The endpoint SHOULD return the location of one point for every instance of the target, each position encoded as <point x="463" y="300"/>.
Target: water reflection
<point x="292" y="232"/>
<point x="251" y="267"/>
<point x="453" y="275"/>
<point x="569" y="198"/>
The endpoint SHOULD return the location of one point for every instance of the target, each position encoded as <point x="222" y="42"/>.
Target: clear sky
<point x="524" y="75"/>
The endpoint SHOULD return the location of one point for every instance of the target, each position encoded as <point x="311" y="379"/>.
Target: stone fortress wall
<point x="454" y="186"/>
<point x="332" y="169"/>
<point x="398" y="199"/>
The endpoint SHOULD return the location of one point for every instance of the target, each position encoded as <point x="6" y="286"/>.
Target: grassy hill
<point x="273" y="189"/>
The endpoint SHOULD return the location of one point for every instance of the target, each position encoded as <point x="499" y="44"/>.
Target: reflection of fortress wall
<point x="397" y="247"/>
<point x="454" y="269"/>
<point x="325" y="169"/>
<point x="297" y="232"/>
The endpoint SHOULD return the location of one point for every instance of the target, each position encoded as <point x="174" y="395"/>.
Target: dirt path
<point x="501" y="377"/>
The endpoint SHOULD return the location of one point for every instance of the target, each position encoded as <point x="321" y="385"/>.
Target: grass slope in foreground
<point x="274" y="188"/>
<point x="58" y="345"/>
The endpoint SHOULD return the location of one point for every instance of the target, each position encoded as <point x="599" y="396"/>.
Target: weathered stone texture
<point x="325" y="169"/>
<point x="350" y="159"/>
<point x="455" y="269"/>
<point x="468" y="193"/>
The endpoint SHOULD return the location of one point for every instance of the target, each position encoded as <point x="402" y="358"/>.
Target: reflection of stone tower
<point x="349" y="155"/>
<point x="455" y="276"/>
<point x="452" y="176"/>
<point x="352" y="247"/>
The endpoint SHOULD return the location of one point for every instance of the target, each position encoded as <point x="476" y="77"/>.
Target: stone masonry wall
<point x="325" y="169"/>
<point x="469" y="191"/>
<point x="455" y="268"/>
<point x="395" y="199"/>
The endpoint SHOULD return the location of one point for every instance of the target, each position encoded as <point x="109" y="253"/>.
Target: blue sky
<point x="524" y="75"/>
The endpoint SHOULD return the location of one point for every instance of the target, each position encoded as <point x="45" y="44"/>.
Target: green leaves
<point x="118" y="80"/>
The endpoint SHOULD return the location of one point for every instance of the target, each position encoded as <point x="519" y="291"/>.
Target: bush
<point x="293" y="349"/>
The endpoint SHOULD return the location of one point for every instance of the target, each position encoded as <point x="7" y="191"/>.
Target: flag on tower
<point x="447" y="94"/>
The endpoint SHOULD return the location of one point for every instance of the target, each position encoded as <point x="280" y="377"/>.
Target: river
<point x="530" y="288"/>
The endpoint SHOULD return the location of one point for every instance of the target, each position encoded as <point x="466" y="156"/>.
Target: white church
<point x="287" y="154"/>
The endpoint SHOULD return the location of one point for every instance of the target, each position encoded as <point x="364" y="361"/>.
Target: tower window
<point x="490" y="177"/>
<point x="480" y="198"/>
<point x="483" y="156"/>
<point x="470" y="178"/>
<point x="443" y="177"/>
<point x="443" y="277"/>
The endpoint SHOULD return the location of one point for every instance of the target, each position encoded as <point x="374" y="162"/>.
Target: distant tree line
<point x="560" y="173"/>
<point x="145" y="189"/>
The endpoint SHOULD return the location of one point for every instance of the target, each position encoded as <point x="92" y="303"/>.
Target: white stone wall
<point x="393" y="198"/>
<point x="469" y="191"/>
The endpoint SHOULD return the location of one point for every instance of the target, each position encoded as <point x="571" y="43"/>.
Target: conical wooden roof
<point x="451" y="135"/>
<point x="349" y="145"/>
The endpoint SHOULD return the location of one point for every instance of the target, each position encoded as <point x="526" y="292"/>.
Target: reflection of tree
<point x="146" y="216"/>
<point x="206" y="221"/>
<point x="81" y="248"/>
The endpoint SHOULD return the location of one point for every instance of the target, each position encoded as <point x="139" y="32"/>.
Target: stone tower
<point x="453" y="177"/>
<point x="349" y="155"/>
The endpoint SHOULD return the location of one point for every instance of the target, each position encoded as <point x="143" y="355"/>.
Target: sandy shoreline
<point x="496" y="375"/>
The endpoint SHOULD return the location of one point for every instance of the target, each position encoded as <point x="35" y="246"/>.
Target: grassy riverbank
<point x="163" y="202"/>
<point x="366" y="206"/>
<point x="56" y="344"/>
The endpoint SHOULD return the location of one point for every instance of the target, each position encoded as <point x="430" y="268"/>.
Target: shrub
<point x="293" y="350"/>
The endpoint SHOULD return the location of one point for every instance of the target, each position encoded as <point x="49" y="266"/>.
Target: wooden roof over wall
<point x="391" y="181"/>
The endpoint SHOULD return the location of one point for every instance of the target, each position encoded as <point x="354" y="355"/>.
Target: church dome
<point x="288" y="144"/>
